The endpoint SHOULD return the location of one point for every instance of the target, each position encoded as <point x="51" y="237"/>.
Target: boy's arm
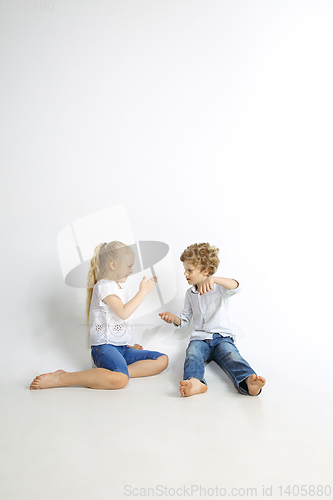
<point x="228" y="283"/>
<point x="168" y="317"/>
<point x="183" y="319"/>
<point x="208" y="284"/>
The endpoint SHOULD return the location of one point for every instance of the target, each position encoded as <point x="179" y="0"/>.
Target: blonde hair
<point x="202" y="256"/>
<point x="100" y="265"/>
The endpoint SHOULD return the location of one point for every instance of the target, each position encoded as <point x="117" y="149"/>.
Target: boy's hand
<point x="206" y="286"/>
<point x="168" y="317"/>
<point x="148" y="286"/>
<point x="135" y="346"/>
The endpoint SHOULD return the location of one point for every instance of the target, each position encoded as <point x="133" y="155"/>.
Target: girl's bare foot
<point x="191" y="387"/>
<point x="254" y="384"/>
<point x="47" y="380"/>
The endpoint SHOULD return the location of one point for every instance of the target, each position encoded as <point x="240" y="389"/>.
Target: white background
<point x="212" y="121"/>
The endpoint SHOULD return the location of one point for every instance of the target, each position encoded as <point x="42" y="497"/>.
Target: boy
<point x="212" y="339"/>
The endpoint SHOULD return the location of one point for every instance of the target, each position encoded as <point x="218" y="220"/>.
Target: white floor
<point x="146" y="440"/>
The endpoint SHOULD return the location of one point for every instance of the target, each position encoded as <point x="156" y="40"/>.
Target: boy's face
<point x="193" y="275"/>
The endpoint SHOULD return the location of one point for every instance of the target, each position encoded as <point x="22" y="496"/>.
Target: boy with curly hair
<point x="211" y="339"/>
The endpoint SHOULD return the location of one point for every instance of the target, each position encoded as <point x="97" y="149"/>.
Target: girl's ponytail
<point x="93" y="276"/>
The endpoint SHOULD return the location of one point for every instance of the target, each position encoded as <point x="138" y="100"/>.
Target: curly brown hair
<point x="202" y="256"/>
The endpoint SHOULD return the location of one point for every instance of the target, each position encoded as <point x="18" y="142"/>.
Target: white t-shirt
<point x="105" y="326"/>
<point x="209" y="311"/>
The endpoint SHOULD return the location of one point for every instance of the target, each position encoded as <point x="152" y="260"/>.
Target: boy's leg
<point x="227" y="356"/>
<point x="197" y="354"/>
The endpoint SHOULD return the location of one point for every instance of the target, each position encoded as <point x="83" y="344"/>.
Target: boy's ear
<point x="206" y="271"/>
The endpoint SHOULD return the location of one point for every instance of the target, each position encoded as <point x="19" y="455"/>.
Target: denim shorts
<point x="117" y="357"/>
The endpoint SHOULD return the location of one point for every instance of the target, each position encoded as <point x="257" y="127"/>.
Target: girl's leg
<point x="227" y="356"/>
<point x="197" y="354"/>
<point x="96" y="378"/>
<point x="111" y="372"/>
<point x="148" y="367"/>
<point x="144" y="363"/>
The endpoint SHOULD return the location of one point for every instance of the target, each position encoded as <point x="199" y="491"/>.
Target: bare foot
<point x="254" y="384"/>
<point x="47" y="380"/>
<point x="191" y="387"/>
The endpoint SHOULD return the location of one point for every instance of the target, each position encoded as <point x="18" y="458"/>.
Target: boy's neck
<point x="198" y="284"/>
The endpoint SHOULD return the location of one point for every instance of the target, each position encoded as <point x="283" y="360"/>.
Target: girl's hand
<point x="168" y="317"/>
<point x="135" y="346"/>
<point x="206" y="286"/>
<point x="148" y="286"/>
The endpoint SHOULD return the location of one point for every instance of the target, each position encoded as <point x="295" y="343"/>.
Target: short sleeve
<point x="106" y="288"/>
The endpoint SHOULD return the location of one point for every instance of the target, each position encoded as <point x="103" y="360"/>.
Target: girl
<point x="108" y="313"/>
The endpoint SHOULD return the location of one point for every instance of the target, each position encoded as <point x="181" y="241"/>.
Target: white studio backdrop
<point x="210" y="121"/>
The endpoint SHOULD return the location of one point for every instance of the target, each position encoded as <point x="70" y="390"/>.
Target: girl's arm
<point x="208" y="284"/>
<point x="124" y="311"/>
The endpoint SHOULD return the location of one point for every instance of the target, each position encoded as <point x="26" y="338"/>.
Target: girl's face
<point x="122" y="269"/>
<point x="193" y="275"/>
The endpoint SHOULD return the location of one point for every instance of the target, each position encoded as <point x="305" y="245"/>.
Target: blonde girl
<point x="108" y="313"/>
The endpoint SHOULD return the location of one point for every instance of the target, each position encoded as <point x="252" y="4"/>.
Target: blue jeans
<point x="117" y="357"/>
<point x="223" y="351"/>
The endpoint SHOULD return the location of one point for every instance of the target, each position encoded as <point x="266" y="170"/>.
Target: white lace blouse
<point x="105" y="326"/>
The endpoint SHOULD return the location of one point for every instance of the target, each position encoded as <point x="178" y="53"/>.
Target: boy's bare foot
<point x="47" y="380"/>
<point x="254" y="384"/>
<point x="191" y="387"/>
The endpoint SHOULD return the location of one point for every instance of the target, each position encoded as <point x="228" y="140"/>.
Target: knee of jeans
<point x="234" y="355"/>
<point x="230" y="357"/>
<point x="228" y="350"/>
<point x="194" y="354"/>
<point x="193" y="350"/>
<point x="191" y="355"/>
